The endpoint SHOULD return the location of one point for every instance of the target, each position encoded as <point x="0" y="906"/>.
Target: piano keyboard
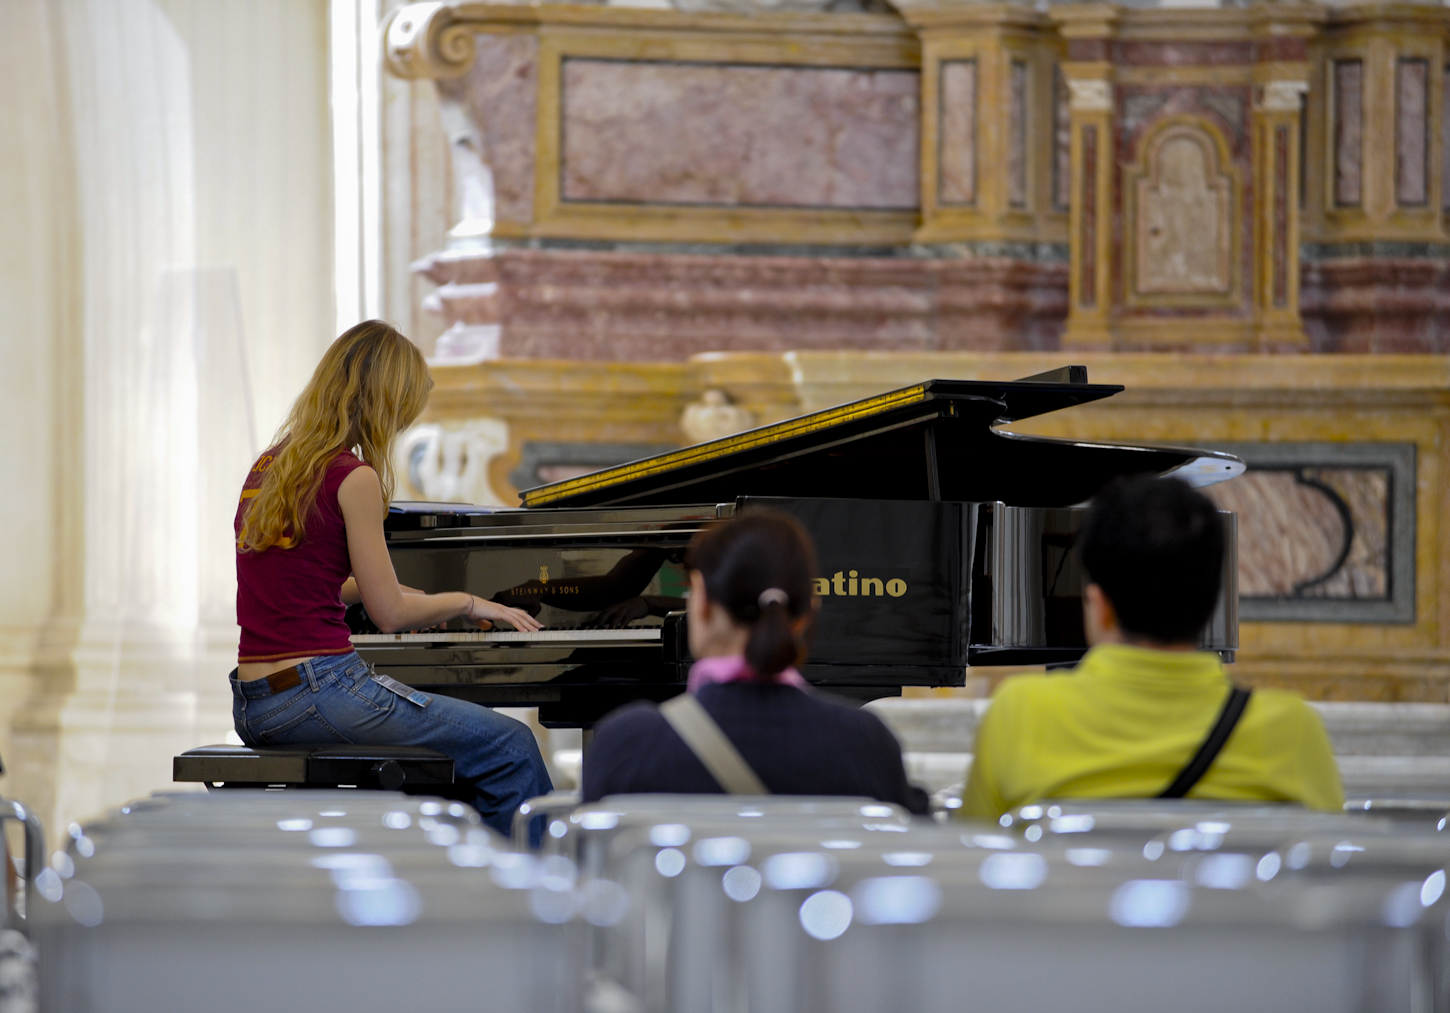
<point x="639" y="634"/>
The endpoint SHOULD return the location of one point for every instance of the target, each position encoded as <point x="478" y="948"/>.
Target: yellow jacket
<point x="1127" y="720"/>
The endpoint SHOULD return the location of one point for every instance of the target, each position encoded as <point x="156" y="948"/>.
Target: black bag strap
<point x="1228" y="718"/>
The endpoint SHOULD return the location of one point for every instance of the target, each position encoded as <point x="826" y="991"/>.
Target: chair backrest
<point x="209" y="901"/>
<point x="1248" y="908"/>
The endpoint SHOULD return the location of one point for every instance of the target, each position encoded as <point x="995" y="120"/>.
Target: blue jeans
<point x="338" y="701"/>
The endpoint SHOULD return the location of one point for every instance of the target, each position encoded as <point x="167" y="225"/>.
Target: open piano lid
<point x="933" y="440"/>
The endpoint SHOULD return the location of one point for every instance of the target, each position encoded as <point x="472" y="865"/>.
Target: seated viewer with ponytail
<point x="751" y="603"/>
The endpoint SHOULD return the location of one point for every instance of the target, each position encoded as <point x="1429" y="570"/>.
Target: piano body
<point x="943" y="542"/>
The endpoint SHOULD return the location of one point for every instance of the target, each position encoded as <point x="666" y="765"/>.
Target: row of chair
<point x="346" y="900"/>
<point x="365" y="900"/>
<point x="840" y="905"/>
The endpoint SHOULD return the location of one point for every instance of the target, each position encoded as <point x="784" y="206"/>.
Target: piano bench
<point x="324" y="765"/>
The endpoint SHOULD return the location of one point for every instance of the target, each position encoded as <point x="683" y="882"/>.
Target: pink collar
<point x="734" y="668"/>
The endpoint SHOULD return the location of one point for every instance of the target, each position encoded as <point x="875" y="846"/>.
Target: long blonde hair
<point x="370" y="385"/>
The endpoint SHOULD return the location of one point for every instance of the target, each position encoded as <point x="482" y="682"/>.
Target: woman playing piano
<point x="310" y="542"/>
<point x="751" y="602"/>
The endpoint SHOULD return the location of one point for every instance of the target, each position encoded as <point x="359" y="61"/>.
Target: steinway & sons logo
<point x="852" y="584"/>
<point x="542" y="587"/>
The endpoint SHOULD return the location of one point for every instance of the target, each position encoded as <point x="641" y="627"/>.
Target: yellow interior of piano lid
<point x="798" y="426"/>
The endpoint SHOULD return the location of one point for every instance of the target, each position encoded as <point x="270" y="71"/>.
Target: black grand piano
<point x="944" y="542"/>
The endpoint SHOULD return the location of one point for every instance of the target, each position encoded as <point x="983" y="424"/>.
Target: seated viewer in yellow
<point x="1133" y="713"/>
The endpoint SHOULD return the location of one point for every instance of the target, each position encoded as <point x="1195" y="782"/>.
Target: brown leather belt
<point x="285" y="679"/>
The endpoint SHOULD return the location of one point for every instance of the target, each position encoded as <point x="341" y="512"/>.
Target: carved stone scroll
<point x="422" y="41"/>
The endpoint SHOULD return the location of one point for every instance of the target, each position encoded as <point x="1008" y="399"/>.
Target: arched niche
<point x="1182" y="237"/>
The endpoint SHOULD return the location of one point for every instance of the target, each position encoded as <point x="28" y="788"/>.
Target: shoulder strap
<point x="1233" y="709"/>
<point x="709" y="744"/>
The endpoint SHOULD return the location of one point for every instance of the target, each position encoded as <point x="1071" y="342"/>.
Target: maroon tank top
<point x="289" y="600"/>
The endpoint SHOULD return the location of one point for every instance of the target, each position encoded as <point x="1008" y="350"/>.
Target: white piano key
<point x="642" y="634"/>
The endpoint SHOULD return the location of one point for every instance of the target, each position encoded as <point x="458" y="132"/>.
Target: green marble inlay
<point x="1045" y="253"/>
<point x="1310" y="252"/>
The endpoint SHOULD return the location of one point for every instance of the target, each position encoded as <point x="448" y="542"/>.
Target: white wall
<point x="36" y="278"/>
<point x="167" y="170"/>
<point x="263" y="157"/>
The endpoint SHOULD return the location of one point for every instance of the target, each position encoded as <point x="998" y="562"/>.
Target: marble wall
<point x="1295" y="537"/>
<point x="957" y="159"/>
<point x="682" y="133"/>
<point x="1374" y="251"/>
<point x="1342" y="514"/>
<point x="500" y="94"/>
<point x="1262" y="177"/>
<point x="661" y="192"/>
<point x="622" y="303"/>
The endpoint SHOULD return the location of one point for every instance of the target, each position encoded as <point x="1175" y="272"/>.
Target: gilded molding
<point x="425" y="40"/>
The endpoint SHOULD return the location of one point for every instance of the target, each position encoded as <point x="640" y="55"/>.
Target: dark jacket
<point x="798" y="743"/>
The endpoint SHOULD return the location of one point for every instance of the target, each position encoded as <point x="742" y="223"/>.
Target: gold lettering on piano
<point x="525" y="591"/>
<point x="852" y="584"/>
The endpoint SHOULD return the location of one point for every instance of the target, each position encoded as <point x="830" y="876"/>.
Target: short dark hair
<point x="740" y="560"/>
<point x="1155" y="546"/>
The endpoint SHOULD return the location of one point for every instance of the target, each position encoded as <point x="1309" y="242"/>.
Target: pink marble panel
<point x="1281" y="217"/>
<point x="1412" y="111"/>
<point x="1348" y="130"/>
<point x="1061" y="142"/>
<point x="1281" y="49"/>
<point x="1182" y="54"/>
<point x="1444" y="136"/>
<point x="957" y="141"/>
<point x="1088" y="241"/>
<point x="1291" y="532"/>
<point x="734" y="135"/>
<point x="1017" y="135"/>
<point x="1365" y="573"/>
<point x="631" y="306"/>
<point x="1377" y="305"/>
<point x="500" y="91"/>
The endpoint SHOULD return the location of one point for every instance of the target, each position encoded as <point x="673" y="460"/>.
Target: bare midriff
<point x="249" y="671"/>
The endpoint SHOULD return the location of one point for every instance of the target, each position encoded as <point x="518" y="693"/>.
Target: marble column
<point x="988" y="111"/>
<point x="1088" y="72"/>
<point x="1374" y="225"/>
<point x="1281" y="80"/>
<point x="1277" y="326"/>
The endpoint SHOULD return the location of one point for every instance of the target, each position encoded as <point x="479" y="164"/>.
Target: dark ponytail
<point x="760" y="567"/>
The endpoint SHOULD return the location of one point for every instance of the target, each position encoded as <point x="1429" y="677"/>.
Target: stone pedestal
<point x="1371" y="430"/>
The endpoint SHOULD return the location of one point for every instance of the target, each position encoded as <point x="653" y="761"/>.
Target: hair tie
<point x="772" y="595"/>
